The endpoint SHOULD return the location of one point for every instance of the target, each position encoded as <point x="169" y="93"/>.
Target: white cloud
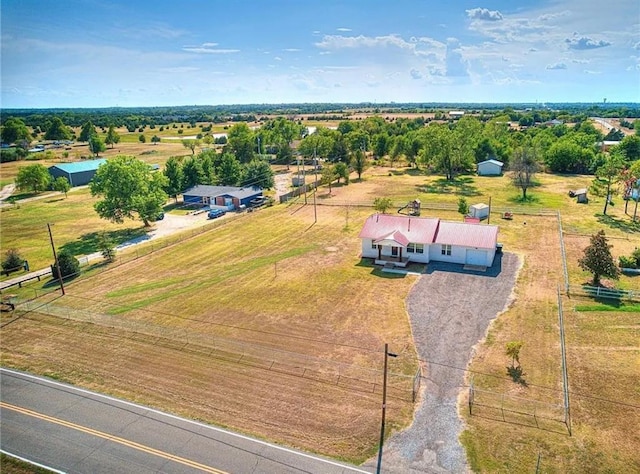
<point x="585" y="42"/>
<point x="456" y="66"/>
<point x="484" y="14"/>
<point x="580" y="61"/>
<point x="361" y="41"/>
<point x="556" y="66"/>
<point x="415" y="74"/>
<point x="637" y="46"/>
<point x="344" y="30"/>
<point x="208" y="48"/>
<point x="292" y="50"/>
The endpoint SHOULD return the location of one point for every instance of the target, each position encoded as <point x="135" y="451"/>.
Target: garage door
<point x="476" y="257"/>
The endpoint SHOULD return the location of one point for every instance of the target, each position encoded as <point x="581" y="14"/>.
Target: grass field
<point x="197" y="328"/>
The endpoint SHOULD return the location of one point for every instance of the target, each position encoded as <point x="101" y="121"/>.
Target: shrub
<point x="12" y="261"/>
<point x="627" y="262"/>
<point x="69" y="265"/>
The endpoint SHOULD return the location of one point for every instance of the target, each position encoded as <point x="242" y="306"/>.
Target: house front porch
<point x="391" y="261"/>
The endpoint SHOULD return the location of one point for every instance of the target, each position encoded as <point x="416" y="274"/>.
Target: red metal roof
<point x="467" y="235"/>
<point x="418" y="230"/>
<point x="427" y="230"/>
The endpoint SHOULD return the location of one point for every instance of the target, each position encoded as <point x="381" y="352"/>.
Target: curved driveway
<point x="450" y="310"/>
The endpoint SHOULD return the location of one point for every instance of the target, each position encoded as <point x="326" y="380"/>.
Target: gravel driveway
<point x="450" y="310"/>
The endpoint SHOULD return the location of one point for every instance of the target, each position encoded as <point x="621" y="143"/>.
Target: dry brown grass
<point x="307" y="294"/>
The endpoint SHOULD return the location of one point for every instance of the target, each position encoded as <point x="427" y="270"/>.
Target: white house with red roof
<point x="398" y="240"/>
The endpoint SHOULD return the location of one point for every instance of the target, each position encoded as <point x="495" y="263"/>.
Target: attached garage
<point x="476" y="257"/>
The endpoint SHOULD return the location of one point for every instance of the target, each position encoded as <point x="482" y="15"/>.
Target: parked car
<point x="214" y="213"/>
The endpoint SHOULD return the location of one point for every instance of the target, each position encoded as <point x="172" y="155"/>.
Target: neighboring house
<point x="228" y="197"/>
<point x="398" y="240"/>
<point x="490" y="168"/>
<point x="456" y="114"/>
<point x="607" y="144"/>
<point x="78" y="173"/>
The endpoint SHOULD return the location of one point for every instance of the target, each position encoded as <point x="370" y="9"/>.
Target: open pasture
<point x="272" y="325"/>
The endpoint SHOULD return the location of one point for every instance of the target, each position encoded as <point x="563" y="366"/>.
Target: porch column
<point x="379" y="252"/>
<point x="400" y="255"/>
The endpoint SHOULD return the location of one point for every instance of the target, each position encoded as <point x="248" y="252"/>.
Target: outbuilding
<point x="490" y="167"/>
<point x="77" y="173"/>
<point x="480" y="211"/>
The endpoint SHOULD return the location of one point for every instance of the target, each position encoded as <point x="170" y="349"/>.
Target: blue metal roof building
<point x="78" y="173"/>
<point x="230" y="197"/>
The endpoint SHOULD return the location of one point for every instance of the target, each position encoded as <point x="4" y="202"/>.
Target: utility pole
<point x="387" y="354"/>
<point x="55" y="259"/>
<point x="315" y="189"/>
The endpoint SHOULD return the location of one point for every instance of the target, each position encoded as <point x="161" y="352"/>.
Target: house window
<point x="373" y="245"/>
<point x="415" y="248"/>
<point x="446" y="249"/>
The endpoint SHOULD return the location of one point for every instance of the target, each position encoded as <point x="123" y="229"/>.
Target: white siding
<point x="458" y="254"/>
<point x="367" y="251"/>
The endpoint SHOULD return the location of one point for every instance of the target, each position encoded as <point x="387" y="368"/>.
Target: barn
<point x="490" y="168"/>
<point x="229" y="197"/>
<point x="77" y="173"/>
<point x="399" y="240"/>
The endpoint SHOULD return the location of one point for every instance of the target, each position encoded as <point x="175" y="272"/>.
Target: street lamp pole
<point x="55" y="259"/>
<point x="387" y="354"/>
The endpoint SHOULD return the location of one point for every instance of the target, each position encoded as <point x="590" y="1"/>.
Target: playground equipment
<point x="411" y="209"/>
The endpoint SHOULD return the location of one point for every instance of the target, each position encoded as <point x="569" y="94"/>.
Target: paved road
<point x="77" y="431"/>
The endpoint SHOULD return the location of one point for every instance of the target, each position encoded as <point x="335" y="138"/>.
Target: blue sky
<point x="102" y="53"/>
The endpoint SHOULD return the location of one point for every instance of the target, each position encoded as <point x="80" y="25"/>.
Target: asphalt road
<point x="77" y="431"/>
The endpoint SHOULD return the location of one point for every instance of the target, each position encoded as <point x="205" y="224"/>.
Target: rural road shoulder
<point x="450" y="311"/>
<point x="78" y="431"/>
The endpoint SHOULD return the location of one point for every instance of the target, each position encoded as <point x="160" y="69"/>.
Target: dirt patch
<point x="446" y="326"/>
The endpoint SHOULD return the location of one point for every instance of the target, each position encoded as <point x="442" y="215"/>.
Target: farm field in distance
<point x="272" y="325"/>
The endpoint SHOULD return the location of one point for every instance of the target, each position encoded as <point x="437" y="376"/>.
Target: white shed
<point x="480" y="211"/>
<point x="490" y="168"/>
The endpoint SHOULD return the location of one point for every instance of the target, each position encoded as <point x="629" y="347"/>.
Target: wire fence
<point x="510" y="408"/>
<point x="263" y="356"/>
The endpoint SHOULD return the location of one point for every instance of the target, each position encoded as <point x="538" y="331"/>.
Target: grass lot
<point x="168" y="329"/>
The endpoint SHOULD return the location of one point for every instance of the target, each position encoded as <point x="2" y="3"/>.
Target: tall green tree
<point x="359" y="163"/>
<point x="524" y="166"/>
<point x="258" y="173"/>
<point x="630" y="146"/>
<point x="607" y="175"/>
<point x="112" y="136"/>
<point x="96" y="145"/>
<point x="175" y="179"/>
<point x="57" y="130"/>
<point x="14" y="129"/>
<point x="597" y="259"/>
<point x="328" y="175"/>
<point x="191" y="144"/>
<point x="241" y="142"/>
<point x="192" y="173"/>
<point x="229" y="172"/>
<point x="34" y="177"/>
<point x="128" y="187"/>
<point x="342" y="171"/>
<point x="88" y="130"/>
<point x="61" y="184"/>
